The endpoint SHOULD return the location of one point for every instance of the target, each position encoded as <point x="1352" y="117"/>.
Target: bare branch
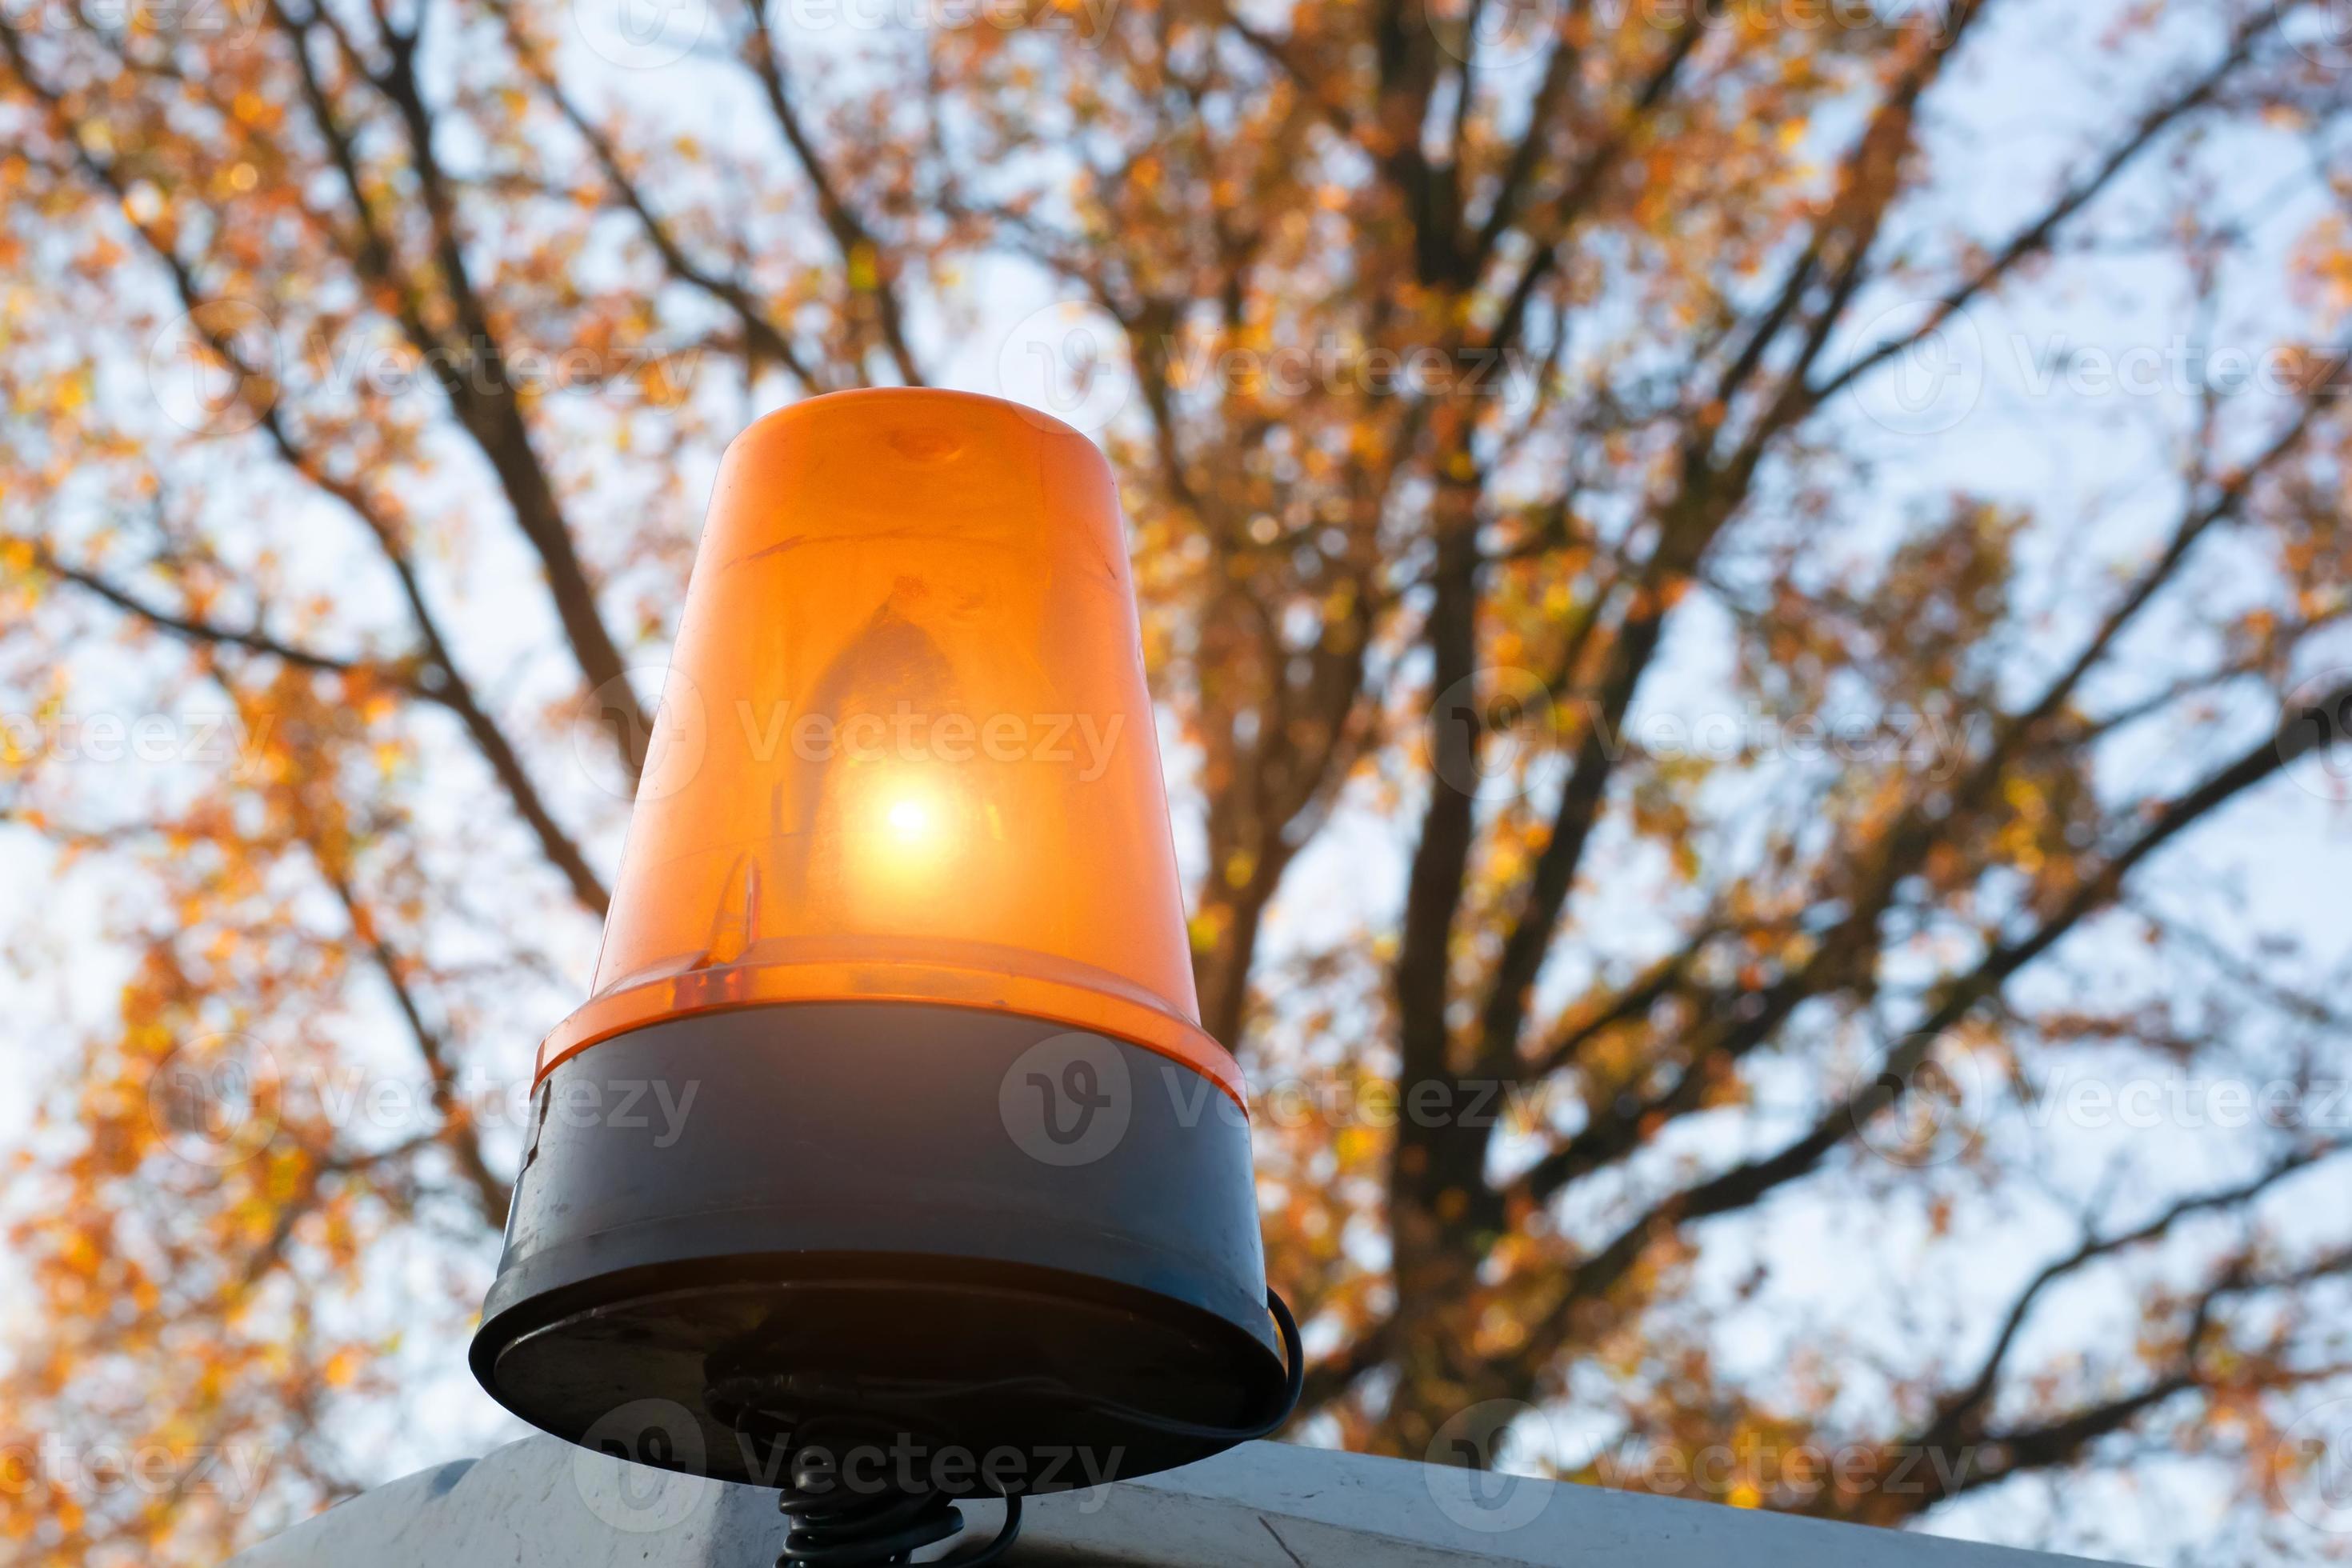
<point x="1749" y="1182"/>
<point x="870" y="267"/>
<point x="2036" y="237"/>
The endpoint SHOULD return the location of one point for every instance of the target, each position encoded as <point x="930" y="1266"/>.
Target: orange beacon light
<point x="897" y="941"/>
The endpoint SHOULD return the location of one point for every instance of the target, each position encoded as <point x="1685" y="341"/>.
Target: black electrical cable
<point x="1292" y="1355"/>
<point x="832" y="1527"/>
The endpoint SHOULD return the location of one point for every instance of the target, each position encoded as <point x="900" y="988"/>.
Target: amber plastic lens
<point x="906" y="751"/>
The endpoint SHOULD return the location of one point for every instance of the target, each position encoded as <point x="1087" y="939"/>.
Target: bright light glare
<point x="910" y="820"/>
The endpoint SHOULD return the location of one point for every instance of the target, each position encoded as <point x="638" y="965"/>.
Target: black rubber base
<point x="985" y="1251"/>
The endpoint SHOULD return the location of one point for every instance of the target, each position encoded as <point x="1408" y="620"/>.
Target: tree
<point x="1574" y="455"/>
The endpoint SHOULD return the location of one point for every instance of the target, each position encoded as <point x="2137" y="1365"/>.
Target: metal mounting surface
<point x="542" y="1504"/>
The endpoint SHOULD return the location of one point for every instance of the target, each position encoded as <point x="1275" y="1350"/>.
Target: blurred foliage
<point x="1506" y="398"/>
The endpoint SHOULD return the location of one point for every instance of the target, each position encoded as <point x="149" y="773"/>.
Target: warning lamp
<point x="889" y="1163"/>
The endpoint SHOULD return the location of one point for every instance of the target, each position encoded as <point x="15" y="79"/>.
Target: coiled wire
<point x="831" y="1525"/>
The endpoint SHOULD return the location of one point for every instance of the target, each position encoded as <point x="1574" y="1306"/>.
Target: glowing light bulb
<point x="910" y="820"/>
